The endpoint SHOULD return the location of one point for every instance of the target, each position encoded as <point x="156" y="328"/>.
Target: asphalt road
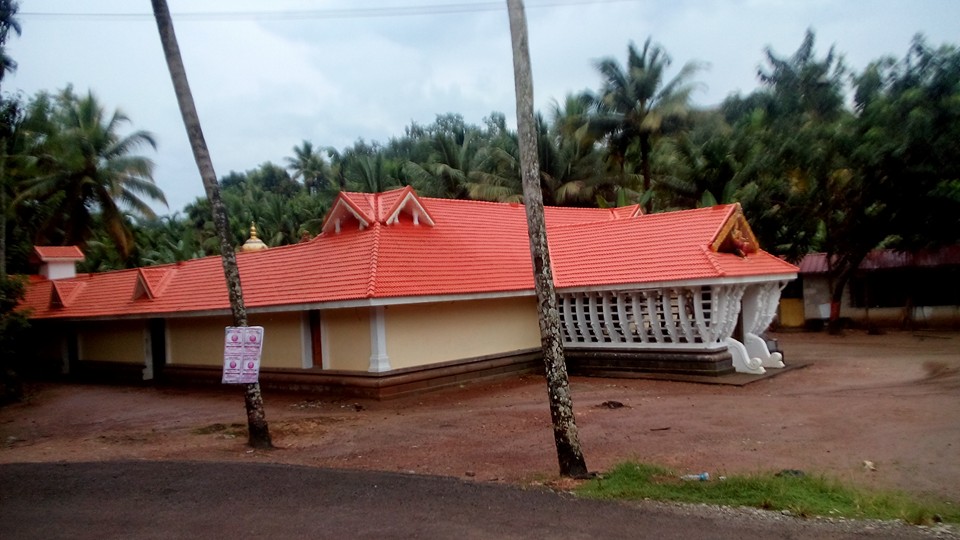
<point x="140" y="500"/>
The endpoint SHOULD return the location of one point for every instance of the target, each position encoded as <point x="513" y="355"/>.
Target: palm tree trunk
<point x="645" y="151"/>
<point x="3" y="210"/>
<point x="259" y="433"/>
<point x="558" y="385"/>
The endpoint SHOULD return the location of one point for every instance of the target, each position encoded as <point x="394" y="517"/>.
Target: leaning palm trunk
<point x="558" y="386"/>
<point x="256" y="419"/>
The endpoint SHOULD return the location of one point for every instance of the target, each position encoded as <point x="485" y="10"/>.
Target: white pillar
<point x="379" y="361"/>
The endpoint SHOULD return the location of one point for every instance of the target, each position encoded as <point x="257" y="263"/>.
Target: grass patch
<point x="803" y="496"/>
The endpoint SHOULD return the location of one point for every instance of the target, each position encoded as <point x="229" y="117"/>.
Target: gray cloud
<point x="262" y="86"/>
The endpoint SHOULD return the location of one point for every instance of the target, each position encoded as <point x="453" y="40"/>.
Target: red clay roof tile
<point x="474" y="248"/>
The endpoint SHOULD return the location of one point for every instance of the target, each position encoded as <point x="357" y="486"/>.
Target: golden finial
<point x="253" y="243"/>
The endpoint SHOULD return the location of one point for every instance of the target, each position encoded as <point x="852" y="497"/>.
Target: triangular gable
<point x="151" y="282"/>
<point x="735" y="235"/>
<point x="62" y="293"/>
<point x="408" y="204"/>
<point x="343" y="212"/>
<point x="623" y="212"/>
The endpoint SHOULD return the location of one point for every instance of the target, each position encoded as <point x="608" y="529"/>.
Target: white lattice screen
<point x="676" y="317"/>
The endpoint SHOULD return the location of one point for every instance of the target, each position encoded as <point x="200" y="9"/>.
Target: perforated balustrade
<point x="674" y="318"/>
<point x="681" y="317"/>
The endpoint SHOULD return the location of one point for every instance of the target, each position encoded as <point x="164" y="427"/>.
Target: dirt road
<point x="891" y="400"/>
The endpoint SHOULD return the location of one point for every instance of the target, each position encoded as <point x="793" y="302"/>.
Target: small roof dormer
<point x="361" y="210"/>
<point x="58" y="262"/>
<point x="345" y="213"/>
<point x="63" y="293"/>
<point x="408" y="204"/>
<point x="151" y="282"/>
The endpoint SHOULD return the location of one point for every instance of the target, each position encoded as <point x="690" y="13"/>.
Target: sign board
<point x="242" y="348"/>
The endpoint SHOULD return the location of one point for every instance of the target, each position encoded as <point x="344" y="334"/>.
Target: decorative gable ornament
<point x="736" y="236"/>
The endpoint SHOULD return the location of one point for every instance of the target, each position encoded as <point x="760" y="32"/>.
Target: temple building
<point x="401" y="293"/>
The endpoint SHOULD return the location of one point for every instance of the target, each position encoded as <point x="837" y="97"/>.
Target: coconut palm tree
<point x="372" y="174"/>
<point x="701" y="167"/>
<point x="257" y="427"/>
<point x="569" y="454"/>
<point x="308" y="166"/>
<point x="8" y="22"/>
<point x="86" y="159"/>
<point x="494" y="168"/>
<point x="572" y="168"/>
<point x="635" y="104"/>
<point x="8" y="8"/>
<point x="450" y="167"/>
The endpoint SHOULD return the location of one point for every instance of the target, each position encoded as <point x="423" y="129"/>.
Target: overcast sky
<point x="334" y="71"/>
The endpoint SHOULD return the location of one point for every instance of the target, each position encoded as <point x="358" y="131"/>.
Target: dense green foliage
<point x="13" y="325"/>
<point x="802" y="495"/>
<point x="821" y="158"/>
<point x="71" y="177"/>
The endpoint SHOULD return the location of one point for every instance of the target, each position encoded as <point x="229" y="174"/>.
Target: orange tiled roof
<point x="471" y="248"/>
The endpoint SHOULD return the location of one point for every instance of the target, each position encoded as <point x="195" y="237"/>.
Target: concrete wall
<point x="113" y="341"/>
<point x="198" y="341"/>
<point x="284" y="336"/>
<point x="816" y="305"/>
<point x="347" y="334"/>
<point x="816" y="297"/>
<point x="921" y="316"/>
<point x="416" y="335"/>
<point x="421" y="334"/>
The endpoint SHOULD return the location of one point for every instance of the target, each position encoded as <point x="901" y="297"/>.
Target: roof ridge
<point x="374" y="259"/>
<point x="709" y="254"/>
<point x="474" y="202"/>
<point x="580" y="224"/>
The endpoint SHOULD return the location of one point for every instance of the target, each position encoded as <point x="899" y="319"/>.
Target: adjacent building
<point x="889" y="288"/>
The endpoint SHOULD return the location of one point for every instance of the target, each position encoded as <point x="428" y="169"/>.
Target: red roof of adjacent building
<point x="458" y="248"/>
<point x="884" y="259"/>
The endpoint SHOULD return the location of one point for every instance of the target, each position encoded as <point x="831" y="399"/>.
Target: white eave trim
<point x="429" y="299"/>
<point x="682" y="283"/>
